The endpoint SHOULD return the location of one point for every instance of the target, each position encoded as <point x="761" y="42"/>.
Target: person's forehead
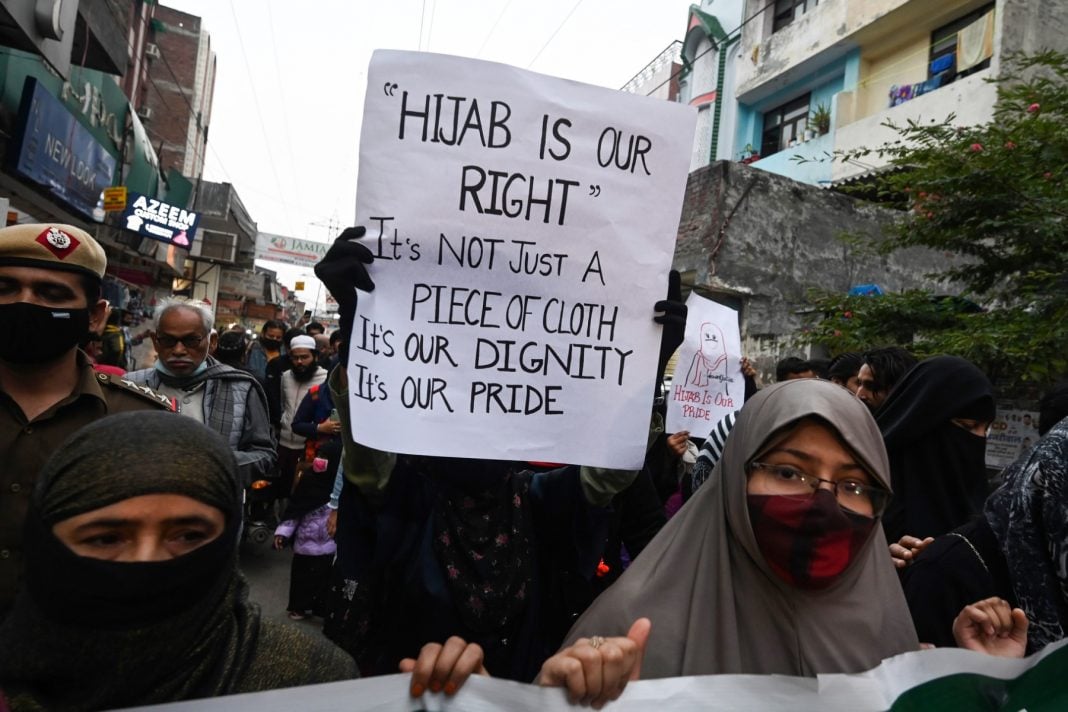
<point x="274" y="330"/>
<point x="29" y="275"/>
<point x="181" y="320"/>
<point x="301" y="352"/>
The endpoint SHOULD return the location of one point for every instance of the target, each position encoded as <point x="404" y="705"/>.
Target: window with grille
<point x="786" y="11"/>
<point x="942" y="63"/>
<point x="783" y="125"/>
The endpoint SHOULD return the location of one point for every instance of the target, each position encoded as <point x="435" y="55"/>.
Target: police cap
<point x="52" y="246"/>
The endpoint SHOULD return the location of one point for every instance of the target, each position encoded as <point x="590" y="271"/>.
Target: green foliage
<point x="994" y="200"/>
<point x="1013" y="345"/>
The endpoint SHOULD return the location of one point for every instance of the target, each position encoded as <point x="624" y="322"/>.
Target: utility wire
<point x="282" y="109"/>
<point x="259" y="113"/>
<point x="493" y="29"/>
<point x="714" y="47"/>
<point x="430" y="29"/>
<point x="422" y="16"/>
<point x="148" y="75"/>
<point x="555" y="32"/>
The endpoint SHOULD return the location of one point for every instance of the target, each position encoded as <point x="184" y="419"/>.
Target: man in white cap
<point x="304" y="372"/>
<point x="50" y="276"/>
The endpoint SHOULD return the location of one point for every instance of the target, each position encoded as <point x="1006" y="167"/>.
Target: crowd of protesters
<point x="841" y="516"/>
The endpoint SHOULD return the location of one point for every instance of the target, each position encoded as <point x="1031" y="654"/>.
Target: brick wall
<point x="171" y="94"/>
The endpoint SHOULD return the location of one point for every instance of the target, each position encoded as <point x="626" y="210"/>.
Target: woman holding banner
<point x="430" y="547"/>
<point x="777" y="566"/>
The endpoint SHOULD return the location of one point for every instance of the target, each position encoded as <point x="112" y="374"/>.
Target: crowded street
<point x="622" y="355"/>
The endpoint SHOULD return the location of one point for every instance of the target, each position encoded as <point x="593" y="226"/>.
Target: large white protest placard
<point x="523" y="228"/>
<point x="707" y="383"/>
<point x="939" y="679"/>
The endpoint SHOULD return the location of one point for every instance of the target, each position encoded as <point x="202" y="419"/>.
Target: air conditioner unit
<point x="211" y="246"/>
<point x="152" y="50"/>
<point x="145" y="113"/>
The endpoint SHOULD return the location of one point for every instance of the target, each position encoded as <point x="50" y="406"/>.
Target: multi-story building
<point x="177" y="98"/>
<point x="709" y="55"/>
<point x="820" y="76"/>
<point x="660" y="78"/>
<point x="699" y="71"/>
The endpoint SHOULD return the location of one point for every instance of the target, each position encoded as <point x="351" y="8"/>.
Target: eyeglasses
<point x="191" y="341"/>
<point x="852" y="494"/>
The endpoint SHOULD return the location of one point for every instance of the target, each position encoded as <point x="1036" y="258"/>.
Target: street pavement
<point x="267" y="572"/>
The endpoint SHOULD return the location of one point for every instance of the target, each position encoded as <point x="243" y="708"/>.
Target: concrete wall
<point x="781" y="241"/>
<point x="823" y="30"/>
<point x="1029" y="26"/>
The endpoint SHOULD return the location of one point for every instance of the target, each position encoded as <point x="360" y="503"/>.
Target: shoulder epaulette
<point x="139" y="390"/>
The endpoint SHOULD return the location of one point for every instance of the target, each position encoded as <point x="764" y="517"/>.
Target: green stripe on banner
<point x="1042" y="687"/>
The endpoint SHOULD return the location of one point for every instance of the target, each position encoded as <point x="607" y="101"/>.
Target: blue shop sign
<point x="160" y="221"/>
<point x="57" y="152"/>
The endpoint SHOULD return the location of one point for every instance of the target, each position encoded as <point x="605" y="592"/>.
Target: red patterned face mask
<point x="807" y="541"/>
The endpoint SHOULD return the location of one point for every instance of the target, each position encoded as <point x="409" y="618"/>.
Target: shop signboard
<point x="114" y="198"/>
<point x="161" y="221"/>
<point x="58" y="153"/>
<point x="241" y="283"/>
<point x="289" y="250"/>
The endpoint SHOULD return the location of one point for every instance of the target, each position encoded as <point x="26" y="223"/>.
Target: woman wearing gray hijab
<point x="744" y="581"/>
<point x="776" y="565"/>
<point x="132" y="594"/>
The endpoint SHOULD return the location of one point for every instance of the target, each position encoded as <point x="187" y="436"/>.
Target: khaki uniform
<point x="26" y="446"/>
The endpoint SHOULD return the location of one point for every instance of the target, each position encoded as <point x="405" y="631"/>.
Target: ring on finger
<point x="596" y="641"/>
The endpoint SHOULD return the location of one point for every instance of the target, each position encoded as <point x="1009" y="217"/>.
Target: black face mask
<point x="37" y="334"/>
<point x="122" y="594"/>
<point x="271" y="344"/>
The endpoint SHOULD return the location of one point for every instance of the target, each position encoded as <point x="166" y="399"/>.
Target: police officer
<point x="50" y="279"/>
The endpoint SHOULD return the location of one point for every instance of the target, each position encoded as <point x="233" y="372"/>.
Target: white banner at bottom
<point x="939" y="679"/>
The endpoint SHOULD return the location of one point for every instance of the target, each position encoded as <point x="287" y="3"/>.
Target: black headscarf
<point x="88" y="634"/>
<point x="937" y="469"/>
<point x="484" y="539"/>
<point x="1029" y="516"/>
<point x="313" y="489"/>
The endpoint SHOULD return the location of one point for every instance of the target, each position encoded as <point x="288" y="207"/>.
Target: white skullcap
<point x="302" y="342"/>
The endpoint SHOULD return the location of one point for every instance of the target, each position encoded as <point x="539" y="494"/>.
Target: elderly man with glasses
<point x="227" y="400"/>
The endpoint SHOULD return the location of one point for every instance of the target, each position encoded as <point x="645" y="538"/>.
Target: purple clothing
<point x="311" y="537"/>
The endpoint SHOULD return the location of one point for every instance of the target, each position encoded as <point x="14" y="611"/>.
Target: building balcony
<point x="825" y="33"/>
<point x="970" y="99"/>
<point x="806" y="161"/>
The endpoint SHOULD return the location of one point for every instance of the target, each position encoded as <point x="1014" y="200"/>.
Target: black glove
<point x="674" y="321"/>
<point x="342" y="271"/>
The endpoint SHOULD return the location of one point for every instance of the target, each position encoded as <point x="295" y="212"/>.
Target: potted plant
<point x="820" y="118"/>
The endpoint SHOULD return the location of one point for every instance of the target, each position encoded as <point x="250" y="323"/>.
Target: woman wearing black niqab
<point x="92" y="633"/>
<point x="937" y="465"/>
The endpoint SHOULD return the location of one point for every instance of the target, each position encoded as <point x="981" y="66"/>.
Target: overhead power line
<point x="555" y="32"/>
<point x="714" y="47"/>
